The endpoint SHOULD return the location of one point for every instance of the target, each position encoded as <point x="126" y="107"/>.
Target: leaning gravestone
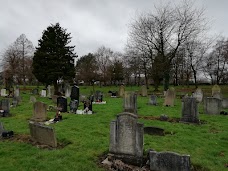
<point x="198" y="94"/>
<point x="153" y="100"/>
<point x="39" y="112"/>
<point x="126" y="139"/>
<point x="190" y="110"/>
<point x="170" y="96"/>
<point x="121" y="91"/>
<point x="130" y="102"/>
<point x="169" y="161"/>
<point x="212" y="105"/>
<point x="49" y="91"/>
<point x="144" y="91"/>
<point x="62" y="104"/>
<point x="43" y="134"/>
<point x="74" y="93"/>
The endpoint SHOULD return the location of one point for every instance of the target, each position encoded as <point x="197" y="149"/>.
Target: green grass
<point x="88" y="135"/>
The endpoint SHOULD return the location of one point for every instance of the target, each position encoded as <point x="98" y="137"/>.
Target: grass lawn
<point x="87" y="136"/>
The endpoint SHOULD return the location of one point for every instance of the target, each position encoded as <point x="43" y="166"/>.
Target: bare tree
<point x="103" y="59"/>
<point x="162" y="33"/>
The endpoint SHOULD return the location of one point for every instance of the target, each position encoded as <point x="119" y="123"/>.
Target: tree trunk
<point x="166" y="80"/>
<point x="56" y="88"/>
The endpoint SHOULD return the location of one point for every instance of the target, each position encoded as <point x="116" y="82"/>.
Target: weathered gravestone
<point x="35" y="91"/>
<point x="5" y="107"/>
<point x="98" y="96"/>
<point x="225" y="103"/>
<point x="54" y="98"/>
<point x="121" y="91"/>
<point x="49" y="91"/>
<point x="62" y="104"/>
<point x="198" y="94"/>
<point x="3" y="92"/>
<point x="153" y="100"/>
<point x="32" y="99"/>
<point x="130" y="102"/>
<point x="190" y="110"/>
<point x="170" y="96"/>
<point x="43" y="134"/>
<point x="73" y="106"/>
<point x="74" y="93"/>
<point x="39" y="112"/>
<point x="126" y="139"/>
<point x="144" y="91"/>
<point x="212" y="105"/>
<point x="217" y="95"/>
<point x="17" y="92"/>
<point x="67" y="89"/>
<point x="215" y="89"/>
<point x="169" y="161"/>
<point x="43" y="93"/>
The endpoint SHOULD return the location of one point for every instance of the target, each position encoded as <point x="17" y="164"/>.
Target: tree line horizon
<point x="168" y="45"/>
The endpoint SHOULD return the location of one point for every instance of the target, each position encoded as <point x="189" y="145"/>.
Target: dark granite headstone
<point x="62" y="104"/>
<point x="74" y="93"/>
<point x="98" y="96"/>
<point x="88" y="105"/>
<point x="5" y="106"/>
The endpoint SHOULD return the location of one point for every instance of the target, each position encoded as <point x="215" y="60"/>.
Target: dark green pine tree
<point x="54" y="59"/>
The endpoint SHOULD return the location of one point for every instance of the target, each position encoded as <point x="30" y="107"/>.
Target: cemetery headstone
<point x="43" y="93"/>
<point x="98" y="96"/>
<point x="5" y="107"/>
<point x="126" y="138"/>
<point x="130" y="102"/>
<point x="62" y="104"/>
<point x="49" y="91"/>
<point x="216" y="89"/>
<point x="170" y="96"/>
<point x="212" y="105"/>
<point x="74" y="93"/>
<point x="73" y="106"/>
<point x="15" y="101"/>
<point x="225" y="103"/>
<point x="121" y="91"/>
<point x="17" y="92"/>
<point x="35" y="91"/>
<point x="169" y="161"/>
<point x="144" y="91"/>
<point x="198" y="94"/>
<point x="153" y="100"/>
<point x="88" y="105"/>
<point x="67" y="92"/>
<point x="217" y="95"/>
<point x="39" y="112"/>
<point x="32" y="99"/>
<point x="190" y="110"/>
<point x="54" y="98"/>
<point x="43" y="134"/>
<point x="3" y="92"/>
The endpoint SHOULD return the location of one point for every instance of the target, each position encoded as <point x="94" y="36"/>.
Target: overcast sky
<point x="92" y="23"/>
